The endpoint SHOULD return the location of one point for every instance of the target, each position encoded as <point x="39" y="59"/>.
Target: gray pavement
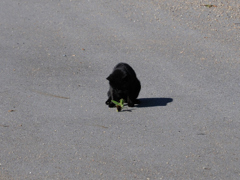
<point x="55" y="57"/>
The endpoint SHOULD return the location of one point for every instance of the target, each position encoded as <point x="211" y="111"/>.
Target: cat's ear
<point x="109" y="77"/>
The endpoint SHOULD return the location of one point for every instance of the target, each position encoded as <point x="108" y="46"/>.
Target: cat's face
<point x="118" y="80"/>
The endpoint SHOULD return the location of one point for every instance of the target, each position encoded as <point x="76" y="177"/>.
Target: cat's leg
<point x="136" y="101"/>
<point x="130" y="102"/>
<point x="111" y="104"/>
<point x="108" y="101"/>
<point x="109" y="98"/>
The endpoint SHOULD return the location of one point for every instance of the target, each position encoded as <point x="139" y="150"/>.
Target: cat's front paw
<point x="108" y="101"/>
<point x="137" y="101"/>
<point x="111" y="105"/>
<point x="130" y="104"/>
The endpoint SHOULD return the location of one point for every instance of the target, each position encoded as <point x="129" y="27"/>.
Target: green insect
<point x="119" y="105"/>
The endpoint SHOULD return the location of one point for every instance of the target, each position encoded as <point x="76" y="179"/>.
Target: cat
<point x="124" y="84"/>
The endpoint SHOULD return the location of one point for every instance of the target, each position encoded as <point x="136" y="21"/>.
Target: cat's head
<point x="118" y="80"/>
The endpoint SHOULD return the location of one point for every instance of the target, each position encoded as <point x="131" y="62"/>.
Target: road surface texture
<point x="55" y="57"/>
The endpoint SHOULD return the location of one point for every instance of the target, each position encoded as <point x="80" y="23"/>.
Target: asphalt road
<point x="55" y="57"/>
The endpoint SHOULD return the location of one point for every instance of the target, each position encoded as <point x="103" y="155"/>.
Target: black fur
<point x="123" y="85"/>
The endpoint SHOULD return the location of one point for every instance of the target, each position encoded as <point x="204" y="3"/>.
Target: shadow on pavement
<point x="151" y="102"/>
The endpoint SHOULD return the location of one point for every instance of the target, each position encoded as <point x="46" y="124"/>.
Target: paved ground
<point x="55" y="56"/>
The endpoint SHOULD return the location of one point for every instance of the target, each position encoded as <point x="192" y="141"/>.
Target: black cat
<point x="123" y="85"/>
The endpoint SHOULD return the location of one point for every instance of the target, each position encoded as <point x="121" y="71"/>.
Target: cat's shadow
<point x="151" y="102"/>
